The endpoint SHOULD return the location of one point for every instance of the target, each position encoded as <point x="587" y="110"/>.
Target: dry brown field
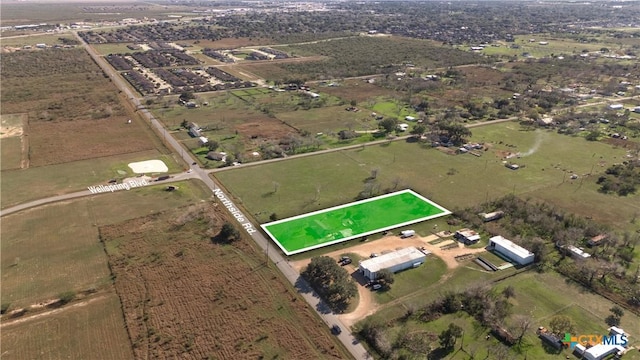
<point x="90" y="329"/>
<point x="184" y="296"/>
<point x="65" y="141"/>
<point x="55" y="248"/>
<point x="73" y="111"/>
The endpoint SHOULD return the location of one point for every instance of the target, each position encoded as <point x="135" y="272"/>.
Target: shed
<point x="495" y="215"/>
<point x="403" y="127"/>
<point x="467" y="236"/>
<point x="616" y="106"/>
<point x="577" y="253"/>
<point x="410" y="118"/>
<point x="552" y="341"/>
<point x="203" y="140"/>
<point x="394" y="261"/>
<point x="510" y="250"/>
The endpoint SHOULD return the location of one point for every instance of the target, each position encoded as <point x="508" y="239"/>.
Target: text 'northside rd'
<point x="234" y="211"/>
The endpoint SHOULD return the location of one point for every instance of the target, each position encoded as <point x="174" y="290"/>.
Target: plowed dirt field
<point x="186" y="296"/>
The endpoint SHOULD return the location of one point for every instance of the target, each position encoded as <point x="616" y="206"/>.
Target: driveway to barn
<point x="367" y="304"/>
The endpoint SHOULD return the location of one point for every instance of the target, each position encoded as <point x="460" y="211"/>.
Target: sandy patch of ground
<point x="447" y="250"/>
<point x="10" y="131"/>
<point x="148" y="166"/>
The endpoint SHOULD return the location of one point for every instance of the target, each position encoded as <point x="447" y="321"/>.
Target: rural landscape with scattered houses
<point x="146" y="148"/>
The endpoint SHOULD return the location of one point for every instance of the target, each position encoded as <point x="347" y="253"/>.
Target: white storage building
<point x="394" y="261"/>
<point x="512" y="251"/>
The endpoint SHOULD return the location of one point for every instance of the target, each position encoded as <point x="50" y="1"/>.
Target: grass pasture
<point x="39" y="263"/>
<point x="356" y="89"/>
<point x="76" y="332"/>
<point x="11" y="153"/>
<point x="39" y="182"/>
<point x="329" y="120"/>
<point x="454" y="181"/>
<point x="392" y="108"/>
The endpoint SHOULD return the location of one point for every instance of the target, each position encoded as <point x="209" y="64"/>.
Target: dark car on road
<point x="335" y="330"/>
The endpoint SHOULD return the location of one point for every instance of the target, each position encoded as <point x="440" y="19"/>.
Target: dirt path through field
<point x="51" y="312"/>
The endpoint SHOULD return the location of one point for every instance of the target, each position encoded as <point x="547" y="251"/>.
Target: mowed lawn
<point x="301" y="185"/>
<point x="55" y="248"/>
<point x="22" y="185"/>
<point x="94" y="330"/>
<point x="346" y="222"/>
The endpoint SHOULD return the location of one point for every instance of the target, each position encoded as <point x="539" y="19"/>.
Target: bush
<point x="67" y="297"/>
<point x="4" y="307"/>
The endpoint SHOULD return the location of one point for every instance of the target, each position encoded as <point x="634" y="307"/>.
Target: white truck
<point x="407" y="233"/>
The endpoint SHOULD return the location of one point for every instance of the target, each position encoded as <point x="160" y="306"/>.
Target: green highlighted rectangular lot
<point x="349" y="221"/>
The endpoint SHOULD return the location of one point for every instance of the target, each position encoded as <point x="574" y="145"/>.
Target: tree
<point x="228" y="233"/>
<point x="448" y="337"/>
<point x="418" y="130"/>
<point x="331" y="281"/>
<point x="184" y="123"/>
<point x="212" y="145"/>
<point x="385" y="278"/>
<point x="187" y="95"/>
<point x="456" y="132"/>
<point x="509" y="292"/>
<point x="273" y="217"/>
<point x="561" y="324"/>
<point x="522" y="323"/>
<point x="388" y="125"/>
<point x="615" y="317"/>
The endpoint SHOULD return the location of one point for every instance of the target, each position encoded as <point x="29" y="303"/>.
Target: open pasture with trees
<point x="188" y="289"/>
<point x="366" y="55"/>
<point x="73" y="258"/>
<point x="529" y="300"/>
<point x="454" y="181"/>
<point x="84" y="330"/>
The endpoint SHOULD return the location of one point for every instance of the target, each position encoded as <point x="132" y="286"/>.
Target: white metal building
<point x="514" y="252"/>
<point x="394" y="261"/>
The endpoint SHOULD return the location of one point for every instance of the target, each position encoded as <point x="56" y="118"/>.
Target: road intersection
<point x="274" y="256"/>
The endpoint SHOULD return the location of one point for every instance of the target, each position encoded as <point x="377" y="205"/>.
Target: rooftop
<point x="393" y="258"/>
<point x="508" y="244"/>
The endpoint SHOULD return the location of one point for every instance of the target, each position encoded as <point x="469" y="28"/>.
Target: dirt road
<point x="367" y="304"/>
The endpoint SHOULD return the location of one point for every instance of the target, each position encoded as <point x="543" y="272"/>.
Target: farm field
<point x="39" y="263"/>
<point x="202" y="298"/>
<point x="455" y="181"/>
<point x="348" y="221"/>
<point x="11" y="153"/>
<point x="84" y="330"/>
<point x="39" y="182"/>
